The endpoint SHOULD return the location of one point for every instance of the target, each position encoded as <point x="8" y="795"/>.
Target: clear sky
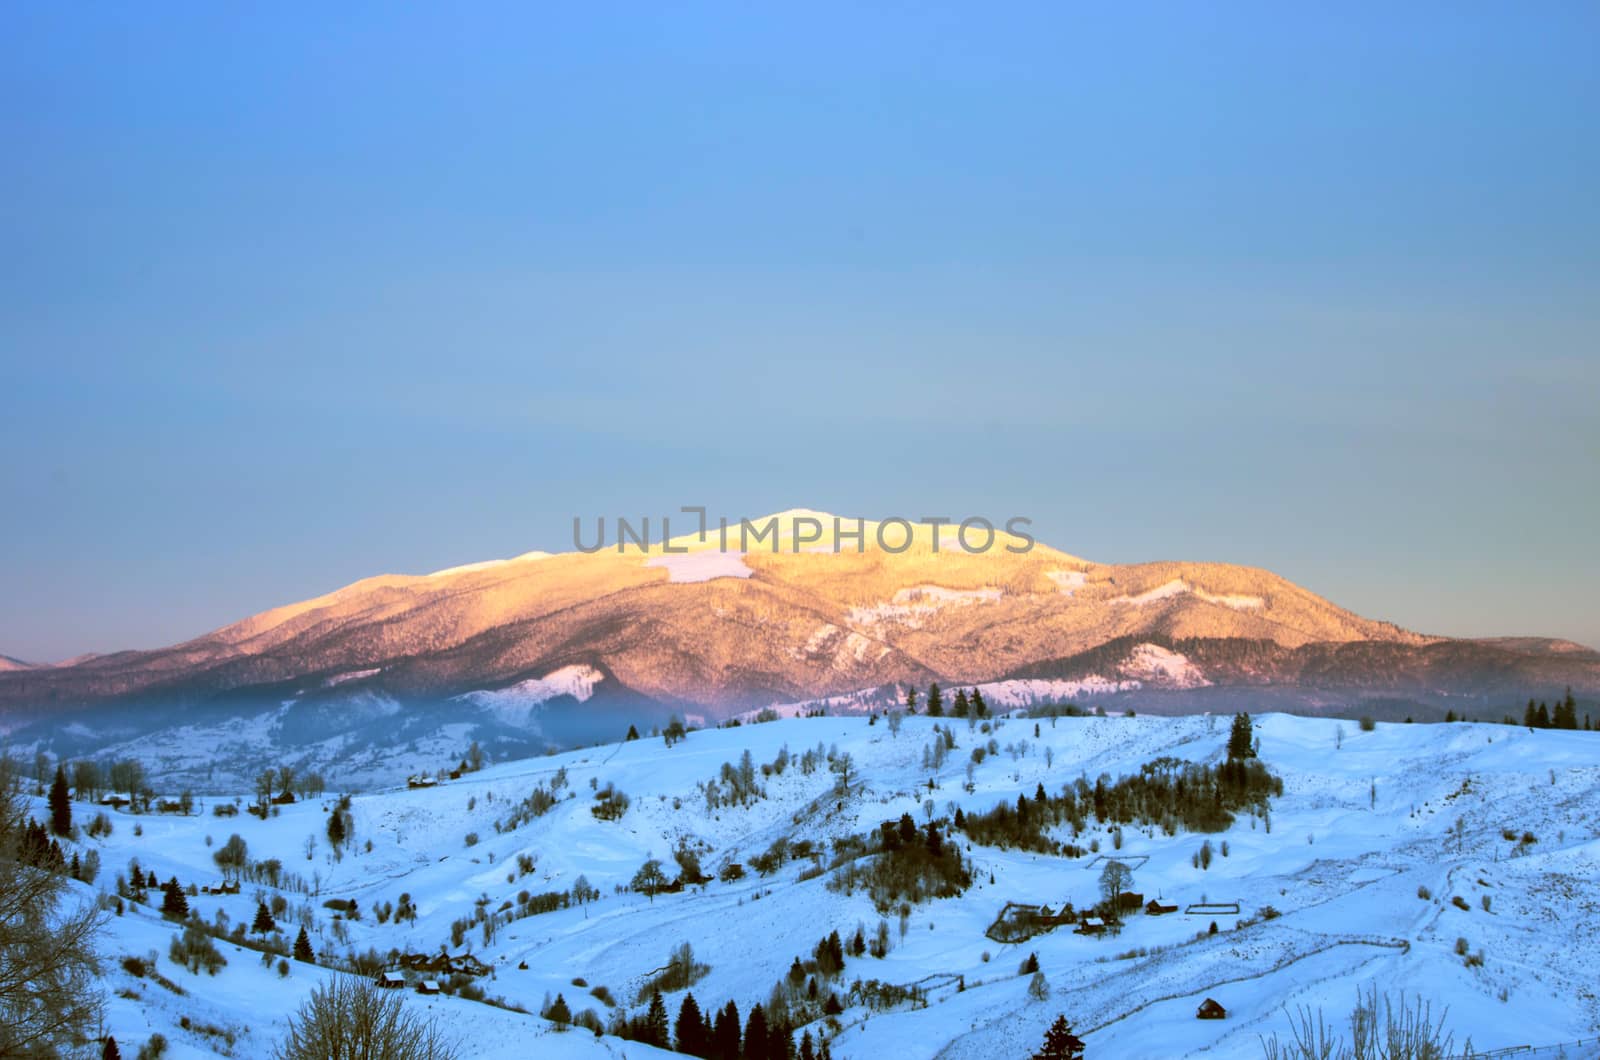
<point x="294" y="294"/>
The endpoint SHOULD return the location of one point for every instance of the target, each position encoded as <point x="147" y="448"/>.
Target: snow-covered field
<point x="1368" y="821"/>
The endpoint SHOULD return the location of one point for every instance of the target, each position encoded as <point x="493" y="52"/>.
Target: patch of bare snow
<point x="576" y="681"/>
<point x="909" y="606"/>
<point x="701" y="566"/>
<point x="1153" y="663"/>
<point x="1179" y="587"/>
<point x="1068" y="580"/>
<point x="352" y="675"/>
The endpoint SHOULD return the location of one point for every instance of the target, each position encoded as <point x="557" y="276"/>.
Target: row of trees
<point x="965" y="705"/>
<point x="698" y="1033"/>
<point x="1564" y="716"/>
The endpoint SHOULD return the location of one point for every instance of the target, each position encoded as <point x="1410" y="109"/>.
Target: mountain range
<point x="555" y="649"/>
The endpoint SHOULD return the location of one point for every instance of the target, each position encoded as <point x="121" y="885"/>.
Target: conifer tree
<point x="1239" y="739"/>
<point x="935" y="701"/>
<point x="655" y="1022"/>
<point x="173" y="903"/>
<point x="725" y="1036"/>
<point x="1530" y="717"/>
<point x="336" y="830"/>
<point x="959" y="707"/>
<point x="689" y="1031"/>
<point x="633" y="734"/>
<point x="302" y="948"/>
<point x="1060" y="1043"/>
<point x="263" y="922"/>
<point x="60" y="804"/>
<point x="558" y="1012"/>
<point x="1543" y="720"/>
<point x="755" y="1035"/>
<point x="111" y="1052"/>
<point x="1566" y="712"/>
<point x="980" y="709"/>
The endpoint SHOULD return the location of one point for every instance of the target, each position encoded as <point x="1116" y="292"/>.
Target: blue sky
<point x="293" y="295"/>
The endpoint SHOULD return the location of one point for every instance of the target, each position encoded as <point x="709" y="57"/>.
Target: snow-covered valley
<point x="1385" y="848"/>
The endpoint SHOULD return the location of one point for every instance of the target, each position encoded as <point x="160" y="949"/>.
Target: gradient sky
<point x="294" y="294"/>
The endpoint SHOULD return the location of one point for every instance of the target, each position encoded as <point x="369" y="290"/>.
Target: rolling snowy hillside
<point x="1385" y="848"/>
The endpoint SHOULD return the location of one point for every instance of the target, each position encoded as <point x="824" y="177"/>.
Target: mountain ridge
<point x="695" y="630"/>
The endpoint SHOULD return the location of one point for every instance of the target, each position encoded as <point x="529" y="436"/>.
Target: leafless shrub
<point x="351" y="1017"/>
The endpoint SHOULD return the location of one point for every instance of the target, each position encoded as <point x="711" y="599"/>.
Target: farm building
<point x="1210" y="1010"/>
<point x="1091" y="925"/>
<point x="428" y="986"/>
<point x="1155" y="908"/>
<point x="390" y="980"/>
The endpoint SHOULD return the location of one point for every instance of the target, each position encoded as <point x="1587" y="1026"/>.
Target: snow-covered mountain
<point x="1454" y="861"/>
<point x="546" y="650"/>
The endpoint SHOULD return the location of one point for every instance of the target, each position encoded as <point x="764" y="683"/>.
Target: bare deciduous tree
<point x="350" y="1017"/>
<point x="49" y="997"/>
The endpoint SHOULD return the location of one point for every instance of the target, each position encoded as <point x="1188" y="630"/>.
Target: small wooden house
<point x="1210" y="1010"/>
<point x="1091" y="925"/>
<point x="390" y="980"/>
<point x="1155" y="908"/>
<point x="1128" y="901"/>
<point x="428" y="986"/>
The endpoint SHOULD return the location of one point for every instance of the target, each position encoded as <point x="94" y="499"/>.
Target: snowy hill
<point x="1385" y="848"/>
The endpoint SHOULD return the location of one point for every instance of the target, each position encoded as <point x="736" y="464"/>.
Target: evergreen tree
<point x="1239" y="739"/>
<point x="780" y="1040"/>
<point x="1566" y="714"/>
<point x="1543" y="720"/>
<point x="60" y="804"/>
<point x="558" y="1012"/>
<point x="980" y="709"/>
<point x="689" y="1032"/>
<point x="336" y="830"/>
<point x="302" y="948"/>
<point x="755" y="1035"/>
<point x="935" y="701"/>
<point x="725" y="1036"/>
<point x="111" y="1052"/>
<point x="173" y="903"/>
<point x="807" y="1050"/>
<point x="263" y="922"/>
<point x="1060" y="1043"/>
<point x="655" y="1023"/>
<point x="633" y="733"/>
<point x="960" y="707"/>
<point x="1530" y="717"/>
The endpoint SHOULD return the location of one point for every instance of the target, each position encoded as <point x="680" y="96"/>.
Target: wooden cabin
<point x="390" y="980"/>
<point x="1091" y="925"/>
<point x="1210" y="1010"/>
<point x="428" y="986"/>
<point x="1155" y="908"/>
